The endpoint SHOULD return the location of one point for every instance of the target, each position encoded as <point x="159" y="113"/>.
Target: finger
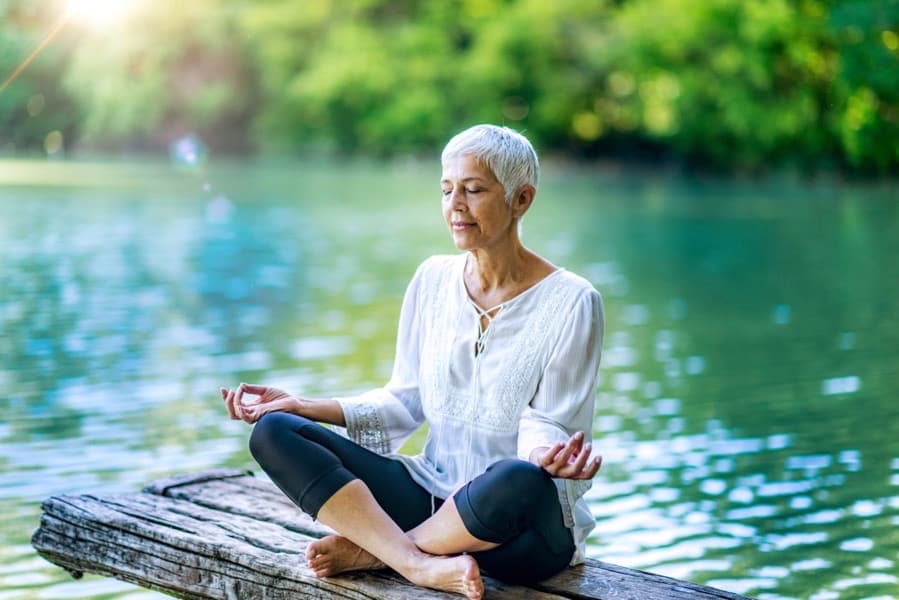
<point x="577" y="441"/>
<point x="550" y="455"/>
<point x="557" y="466"/>
<point x="581" y="458"/>
<point x="238" y="396"/>
<point x="578" y="465"/>
<point x="226" y="394"/>
<point x="229" y="400"/>
<point x="571" y="447"/>
<point x="252" y="388"/>
<point x="590" y="469"/>
<point x="232" y="398"/>
<point x="257" y="411"/>
<point x="593" y="468"/>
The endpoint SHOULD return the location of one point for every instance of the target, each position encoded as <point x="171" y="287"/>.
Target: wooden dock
<point x="228" y="535"/>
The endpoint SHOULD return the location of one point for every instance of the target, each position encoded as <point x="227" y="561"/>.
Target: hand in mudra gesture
<point x="267" y="399"/>
<point x="570" y="460"/>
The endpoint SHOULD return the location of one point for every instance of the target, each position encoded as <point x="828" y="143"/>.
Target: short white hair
<point x="507" y="153"/>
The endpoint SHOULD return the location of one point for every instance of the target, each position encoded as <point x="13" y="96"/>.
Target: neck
<point x="493" y="270"/>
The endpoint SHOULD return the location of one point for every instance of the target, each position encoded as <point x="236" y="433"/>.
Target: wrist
<point x="537" y="454"/>
<point x="300" y="407"/>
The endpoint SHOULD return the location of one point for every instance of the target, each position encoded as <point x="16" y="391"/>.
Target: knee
<point x="520" y="476"/>
<point x="268" y="431"/>
<point x="504" y="501"/>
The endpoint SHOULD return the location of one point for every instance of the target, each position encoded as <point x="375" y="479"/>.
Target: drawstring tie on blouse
<point x="484" y="332"/>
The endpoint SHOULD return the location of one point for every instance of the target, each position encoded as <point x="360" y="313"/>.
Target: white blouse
<point x="532" y="383"/>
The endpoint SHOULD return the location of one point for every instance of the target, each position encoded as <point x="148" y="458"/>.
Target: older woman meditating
<point x="497" y="351"/>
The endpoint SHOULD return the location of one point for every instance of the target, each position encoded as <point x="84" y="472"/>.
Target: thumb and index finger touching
<point x="253" y="388"/>
<point x="233" y="399"/>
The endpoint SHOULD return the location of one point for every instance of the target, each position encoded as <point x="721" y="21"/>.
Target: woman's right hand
<point x="568" y="460"/>
<point x="268" y="399"/>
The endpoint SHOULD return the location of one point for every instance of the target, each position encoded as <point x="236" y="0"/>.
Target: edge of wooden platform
<point x="161" y="487"/>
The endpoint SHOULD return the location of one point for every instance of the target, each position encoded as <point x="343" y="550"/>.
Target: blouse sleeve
<point x="382" y="419"/>
<point x="566" y="396"/>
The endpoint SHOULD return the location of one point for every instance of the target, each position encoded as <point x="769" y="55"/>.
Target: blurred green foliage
<point x="728" y="83"/>
<point x="34" y="105"/>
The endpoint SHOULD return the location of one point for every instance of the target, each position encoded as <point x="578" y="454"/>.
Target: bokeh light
<point x="35" y="105"/>
<point x="99" y="13"/>
<point x="53" y="143"/>
<point x="188" y="152"/>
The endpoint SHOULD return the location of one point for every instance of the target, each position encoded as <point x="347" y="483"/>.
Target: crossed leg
<point x="323" y="483"/>
<point x="443" y="534"/>
<point x="370" y="537"/>
<point x="508" y="518"/>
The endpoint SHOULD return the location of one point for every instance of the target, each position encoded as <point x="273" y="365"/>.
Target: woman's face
<point x="474" y="204"/>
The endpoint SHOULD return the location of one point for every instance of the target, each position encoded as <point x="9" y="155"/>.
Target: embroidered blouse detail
<point x="526" y="380"/>
<point x="366" y="427"/>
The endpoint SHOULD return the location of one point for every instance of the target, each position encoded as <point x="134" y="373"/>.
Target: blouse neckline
<point x="505" y="303"/>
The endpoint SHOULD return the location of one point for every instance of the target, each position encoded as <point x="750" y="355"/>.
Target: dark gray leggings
<point x="513" y="503"/>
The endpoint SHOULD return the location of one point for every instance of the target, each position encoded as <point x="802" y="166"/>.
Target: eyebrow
<point x="464" y="180"/>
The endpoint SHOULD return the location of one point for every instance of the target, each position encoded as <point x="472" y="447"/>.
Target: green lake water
<point x="747" y="410"/>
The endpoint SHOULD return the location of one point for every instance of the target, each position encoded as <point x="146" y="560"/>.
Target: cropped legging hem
<point x="473" y="524"/>
<point x="513" y="503"/>
<point x="321" y="489"/>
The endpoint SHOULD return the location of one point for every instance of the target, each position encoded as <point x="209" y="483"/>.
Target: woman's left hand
<point x="268" y="399"/>
<point x="570" y="460"/>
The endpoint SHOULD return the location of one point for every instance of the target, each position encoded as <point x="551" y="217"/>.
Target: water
<point x="747" y="412"/>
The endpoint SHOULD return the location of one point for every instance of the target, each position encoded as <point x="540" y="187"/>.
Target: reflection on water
<point x="746" y="410"/>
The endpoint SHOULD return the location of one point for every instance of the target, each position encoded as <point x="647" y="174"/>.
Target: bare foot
<point x="335" y="554"/>
<point x="459" y="574"/>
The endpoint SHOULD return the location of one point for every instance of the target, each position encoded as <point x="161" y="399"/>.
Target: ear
<point x="523" y="200"/>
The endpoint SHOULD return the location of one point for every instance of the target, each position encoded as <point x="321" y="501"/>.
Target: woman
<point x="498" y="351"/>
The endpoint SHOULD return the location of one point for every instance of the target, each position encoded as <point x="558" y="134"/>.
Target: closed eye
<point x="475" y="190"/>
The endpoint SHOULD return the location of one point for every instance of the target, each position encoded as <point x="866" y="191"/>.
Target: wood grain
<point x="227" y="535"/>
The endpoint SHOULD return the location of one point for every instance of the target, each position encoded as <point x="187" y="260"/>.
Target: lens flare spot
<point x="188" y="152"/>
<point x="35" y="105"/>
<point x="53" y="143"/>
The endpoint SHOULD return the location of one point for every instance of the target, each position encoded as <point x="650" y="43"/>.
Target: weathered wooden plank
<point x="180" y="548"/>
<point x="248" y="496"/>
<point x="192" y="552"/>
<point x="260" y="499"/>
<point x="596" y="579"/>
<point x="161" y="487"/>
<point x="226" y="534"/>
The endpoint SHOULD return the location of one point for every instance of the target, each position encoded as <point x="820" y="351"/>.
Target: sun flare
<point x="99" y="13"/>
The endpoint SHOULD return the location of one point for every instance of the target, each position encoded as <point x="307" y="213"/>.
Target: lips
<point x="461" y="225"/>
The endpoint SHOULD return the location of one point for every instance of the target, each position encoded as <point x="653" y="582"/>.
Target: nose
<point x="457" y="198"/>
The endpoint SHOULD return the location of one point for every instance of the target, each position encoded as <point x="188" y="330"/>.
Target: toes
<point x="475" y="592"/>
<point x="471" y="579"/>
